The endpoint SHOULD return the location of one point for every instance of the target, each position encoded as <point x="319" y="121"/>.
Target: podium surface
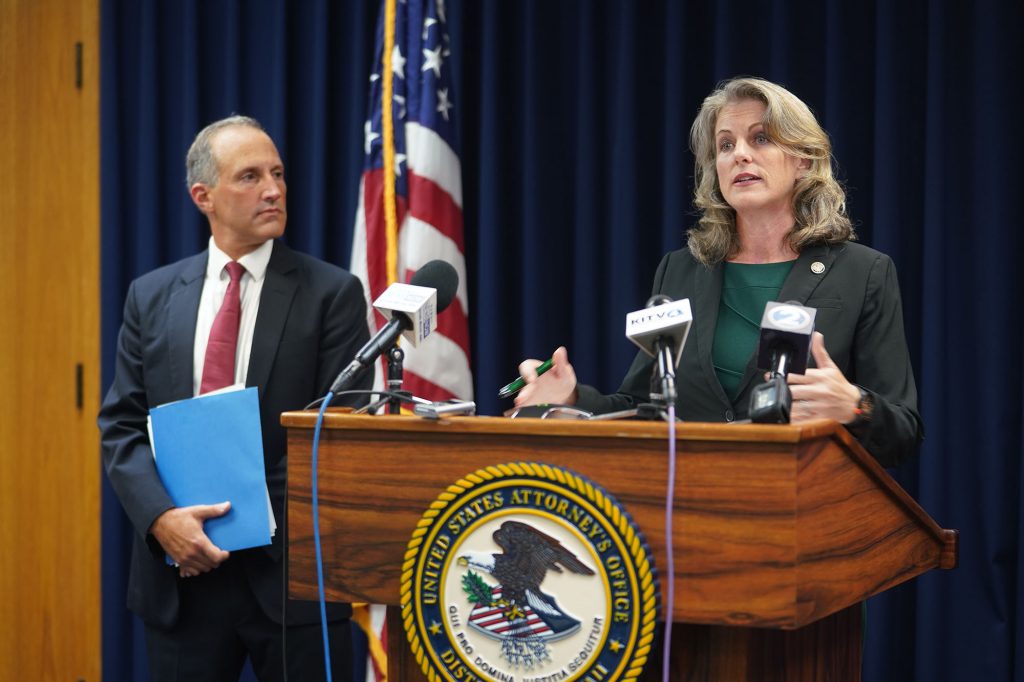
<point x="774" y="526"/>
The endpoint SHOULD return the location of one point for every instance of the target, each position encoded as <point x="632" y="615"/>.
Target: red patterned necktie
<point x="219" y="366"/>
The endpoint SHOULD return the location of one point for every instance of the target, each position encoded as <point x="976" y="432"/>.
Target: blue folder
<point x="209" y="449"/>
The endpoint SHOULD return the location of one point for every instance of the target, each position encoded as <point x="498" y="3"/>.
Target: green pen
<point x="511" y="389"/>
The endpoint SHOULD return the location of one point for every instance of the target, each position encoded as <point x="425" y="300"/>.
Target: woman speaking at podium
<point x="773" y="227"/>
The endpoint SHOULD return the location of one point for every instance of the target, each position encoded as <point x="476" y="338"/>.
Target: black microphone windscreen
<point x="437" y="274"/>
<point x="657" y="299"/>
<point x="785" y="328"/>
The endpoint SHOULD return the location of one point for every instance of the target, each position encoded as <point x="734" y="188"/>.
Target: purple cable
<point x="670" y="571"/>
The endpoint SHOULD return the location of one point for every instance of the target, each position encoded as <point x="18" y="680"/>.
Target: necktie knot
<point x="235" y="271"/>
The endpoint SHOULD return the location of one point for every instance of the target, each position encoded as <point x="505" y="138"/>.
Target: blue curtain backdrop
<point x="574" y="119"/>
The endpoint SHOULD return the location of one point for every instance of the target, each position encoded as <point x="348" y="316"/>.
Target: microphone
<point x="411" y="310"/>
<point x="784" y="347"/>
<point x="660" y="330"/>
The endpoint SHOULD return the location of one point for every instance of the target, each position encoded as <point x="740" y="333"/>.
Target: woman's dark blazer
<point x="860" y="314"/>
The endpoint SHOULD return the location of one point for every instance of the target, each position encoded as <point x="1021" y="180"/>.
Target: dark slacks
<point x="220" y="624"/>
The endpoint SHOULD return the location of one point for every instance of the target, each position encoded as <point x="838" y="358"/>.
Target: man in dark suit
<point x="298" y="321"/>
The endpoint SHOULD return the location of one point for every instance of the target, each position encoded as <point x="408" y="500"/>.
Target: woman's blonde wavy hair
<point x="819" y="203"/>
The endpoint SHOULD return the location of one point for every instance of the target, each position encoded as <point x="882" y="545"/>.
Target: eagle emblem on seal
<point x="515" y="610"/>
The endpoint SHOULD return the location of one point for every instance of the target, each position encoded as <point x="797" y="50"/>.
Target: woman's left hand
<point x="823" y="392"/>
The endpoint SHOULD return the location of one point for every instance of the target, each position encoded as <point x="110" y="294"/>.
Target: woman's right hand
<point x="557" y="386"/>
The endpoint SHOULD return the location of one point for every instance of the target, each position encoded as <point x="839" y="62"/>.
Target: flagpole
<point x="388" y="133"/>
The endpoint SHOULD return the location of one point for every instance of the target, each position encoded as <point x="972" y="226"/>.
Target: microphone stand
<point x="664" y="377"/>
<point x="395" y="358"/>
<point x="662" y="393"/>
<point x="657" y="408"/>
<point x="771" y="402"/>
<point x="654" y="411"/>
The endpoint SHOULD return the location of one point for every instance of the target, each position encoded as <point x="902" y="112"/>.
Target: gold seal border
<point x="594" y="494"/>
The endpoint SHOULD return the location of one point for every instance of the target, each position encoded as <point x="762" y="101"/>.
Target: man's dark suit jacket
<point x="311" y="322"/>
<point x="859" y="312"/>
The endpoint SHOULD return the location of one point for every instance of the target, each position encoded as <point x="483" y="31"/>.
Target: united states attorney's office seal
<point x="526" y="572"/>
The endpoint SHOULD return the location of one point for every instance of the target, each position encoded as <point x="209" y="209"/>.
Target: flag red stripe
<point x="485" y="614"/>
<point x="454" y="324"/>
<point x="423" y="387"/>
<point x="430" y="203"/>
<point x="376" y="239"/>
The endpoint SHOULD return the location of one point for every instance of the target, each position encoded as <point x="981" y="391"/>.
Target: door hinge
<point x="79" y="389"/>
<point x="78" y="65"/>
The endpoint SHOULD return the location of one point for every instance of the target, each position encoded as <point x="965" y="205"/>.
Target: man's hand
<point x="180" y="532"/>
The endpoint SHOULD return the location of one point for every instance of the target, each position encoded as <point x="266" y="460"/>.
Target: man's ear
<point x="201" y="196"/>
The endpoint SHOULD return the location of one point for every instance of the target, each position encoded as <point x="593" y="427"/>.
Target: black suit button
<point x="729" y="416"/>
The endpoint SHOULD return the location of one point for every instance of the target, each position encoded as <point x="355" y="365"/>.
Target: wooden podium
<point x="779" y="531"/>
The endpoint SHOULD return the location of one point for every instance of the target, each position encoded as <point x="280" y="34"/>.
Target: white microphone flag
<point x="418" y="303"/>
<point x="671" y="320"/>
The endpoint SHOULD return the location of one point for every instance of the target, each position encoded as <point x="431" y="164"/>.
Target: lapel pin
<point x="817" y="267"/>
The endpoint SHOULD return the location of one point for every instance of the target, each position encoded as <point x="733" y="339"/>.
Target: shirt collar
<point x="255" y="262"/>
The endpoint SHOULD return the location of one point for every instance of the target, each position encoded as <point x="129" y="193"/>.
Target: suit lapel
<point x="275" y="302"/>
<point x="182" y="311"/>
<point x="810" y="268"/>
<point x="801" y="282"/>
<point x="705" y="313"/>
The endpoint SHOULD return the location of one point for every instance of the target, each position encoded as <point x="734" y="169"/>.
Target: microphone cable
<point x="670" y="496"/>
<point x="314" y="484"/>
<point x="316" y="533"/>
<point x="404" y="396"/>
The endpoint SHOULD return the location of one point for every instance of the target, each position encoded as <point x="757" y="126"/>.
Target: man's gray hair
<point x="200" y="163"/>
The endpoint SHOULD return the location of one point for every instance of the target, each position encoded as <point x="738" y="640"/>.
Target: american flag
<point x="419" y="144"/>
<point x="415" y="153"/>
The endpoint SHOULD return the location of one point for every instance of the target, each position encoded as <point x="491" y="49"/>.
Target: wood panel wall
<point x="49" y="337"/>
